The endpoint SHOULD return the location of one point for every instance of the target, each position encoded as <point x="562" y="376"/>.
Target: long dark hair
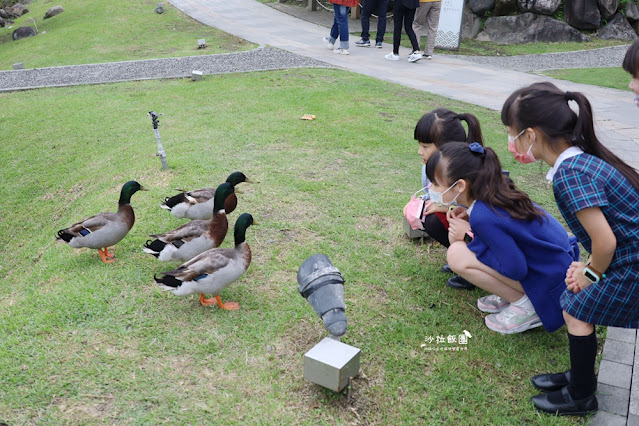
<point x="442" y="125"/>
<point x="545" y="107"/>
<point x="483" y="172"/>
<point x="631" y="60"/>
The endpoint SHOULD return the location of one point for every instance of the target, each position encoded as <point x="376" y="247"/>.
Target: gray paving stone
<point x="627" y="335"/>
<point x="613" y="399"/>
<point x="633" y="420"/>
<point x="617" y="351"/>
<point x="615" y="374"/>
<point x="634" y="389"/>
<point x="604" y="418"/>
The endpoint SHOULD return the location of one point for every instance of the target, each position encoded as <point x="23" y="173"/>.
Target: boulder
<point x="479" y="7"/>
<point x="608" y="8"/>
<point x="544" y="7"/>
<point x="17" y="10"/>
<point x="55" y="10"/>
<point x="3" y="14"/>
<point x="529" y="28"/>
<point x="159" y="9"/>
<point x="505" y="7"/>
<point x="631" y="11"/>
<point x="582" y="14"/>
<point x="618" y="28"/>
<point x="471" y="23"/>
<point x="2" y="22"/>
<point x="23" y="32"/>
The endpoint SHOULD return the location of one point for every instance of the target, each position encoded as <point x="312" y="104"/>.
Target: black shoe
<point x="460" y="283"/>
<point x="567" y="406"/>
<point x="447" y="269"/>
<point x="546" y="382"/>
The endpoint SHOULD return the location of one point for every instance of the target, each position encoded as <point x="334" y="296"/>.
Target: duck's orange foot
<point x="106" y="256"/>
<point x="207" y="302"/>
<point x="230" y="306"/>
<point x="217" y="300"/>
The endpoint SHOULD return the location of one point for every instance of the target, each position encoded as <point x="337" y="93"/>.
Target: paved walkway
<point x="485" y="85"/>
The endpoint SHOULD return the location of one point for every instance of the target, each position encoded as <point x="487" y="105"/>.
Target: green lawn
<point x="86" y="342"/>
<point x="105" y="31"/>
<point x="615" y="78"/>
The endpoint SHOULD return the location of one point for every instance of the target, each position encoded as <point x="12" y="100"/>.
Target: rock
<point x="55" y="10"/>
<point x="160" y="8"/>
<point x="505" y="7"/>
<point x="479" y="7"/>
<point x="618" y="28"/>
<point x="544" y="7"/>
<point x="3" y="14"/>
<point x="482" y="36"/>
<point x="529" y="28"/>
<point x="23" y="32"/>
<point x="582" y="14"/>
<point x="2" y="22"/>
<point x="631" y="11"/>
<point x="607" y="8"/>
<point x="471" y="23"/>
<point x="17" y="10"/>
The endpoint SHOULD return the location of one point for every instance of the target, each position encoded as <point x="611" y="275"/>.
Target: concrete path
<point x="485" y="85"/>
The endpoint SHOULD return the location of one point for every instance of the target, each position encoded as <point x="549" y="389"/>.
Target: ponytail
<point x="474" y="130"/>
<point x="545" y="107"/>
<point x="443" y="125"/>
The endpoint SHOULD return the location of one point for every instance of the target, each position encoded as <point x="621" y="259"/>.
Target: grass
<point x="615" y="78"/>
<point x="86" y="342"/>
<point x="106" y="31"/>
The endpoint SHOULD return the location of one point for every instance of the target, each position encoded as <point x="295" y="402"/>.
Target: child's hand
<point x="432" y="208"/>
<point x="458" y="212"/>
<point x="575" y="279"/>
<point x="457" y="229"/>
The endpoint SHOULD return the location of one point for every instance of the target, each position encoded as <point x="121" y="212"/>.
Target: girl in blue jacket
<point x="503" y="243"/>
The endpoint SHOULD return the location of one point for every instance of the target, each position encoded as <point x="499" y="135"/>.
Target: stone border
<point x="618" y="379"/>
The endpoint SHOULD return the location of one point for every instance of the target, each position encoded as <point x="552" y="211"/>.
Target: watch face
<point x="591" y="277"/>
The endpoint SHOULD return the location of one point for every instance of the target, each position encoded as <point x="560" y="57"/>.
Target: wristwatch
<point x="592" y="274"/>
<point x="468" y="236"/>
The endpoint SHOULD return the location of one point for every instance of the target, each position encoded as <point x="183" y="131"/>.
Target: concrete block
<point x="617" y="351"/>
<point x="330" y="363"/>
<point x="633" y="420"/>
<point x="615" y="374"/>
<point x="634" y="388"/>
<point x="628" y="335"/>
<point x="604" y="418"/>
<point x="196" y="75"/>
<point x="613" y="399"/>
<point x="18" y="66"/>
<point x="413" y="233"/>
<point x="201" y="43"/>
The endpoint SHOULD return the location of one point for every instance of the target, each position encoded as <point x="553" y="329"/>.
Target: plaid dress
<point x="587" y="181"/>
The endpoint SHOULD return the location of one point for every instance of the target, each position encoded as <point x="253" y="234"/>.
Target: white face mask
<point x="438" y="197"/>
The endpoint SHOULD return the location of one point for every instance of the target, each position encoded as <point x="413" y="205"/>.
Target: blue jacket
<point x="537" y="254"/>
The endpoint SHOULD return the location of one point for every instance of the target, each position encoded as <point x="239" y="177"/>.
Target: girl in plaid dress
<point x="598" y="196"/>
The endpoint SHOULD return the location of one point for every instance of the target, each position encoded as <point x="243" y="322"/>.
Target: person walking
<point x="404" y="13"/>
<point x="373" y="6"/>
<point x="427" y="15"/>
<point x="340" y="26"/>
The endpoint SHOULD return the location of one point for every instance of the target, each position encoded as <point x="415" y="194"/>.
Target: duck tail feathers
<point x="154" y="247"/>
<point x="168" y="281"/>
<point x="64" y="236"/>
<point x="170" y="202"/>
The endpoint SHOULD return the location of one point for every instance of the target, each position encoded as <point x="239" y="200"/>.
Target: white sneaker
<point x="341" y="51"/>
<point x="328" y="43"/>
<point x="392" y="57"/>
<point x="492" y="304"/>
<point x="512" y="320"/>
<point x="414" y="57"/>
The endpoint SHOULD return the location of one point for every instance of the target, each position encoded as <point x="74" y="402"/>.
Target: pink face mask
<point x="526" y="158"/>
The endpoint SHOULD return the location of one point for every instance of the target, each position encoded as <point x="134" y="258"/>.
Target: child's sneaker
<point x="492" y="304"/>
<point x="414" y="57"/>
<point x="328" y="43"/>
<point x="512" y="320"/>
<point x="392" y="57"/>
<point x="363" y="43"/>
<point x="429" y="57"/>
<point x="378" y="44"/>
<point x="341" y="51"/>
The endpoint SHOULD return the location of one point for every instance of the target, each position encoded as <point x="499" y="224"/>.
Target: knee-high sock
<point x="583" y="351"/>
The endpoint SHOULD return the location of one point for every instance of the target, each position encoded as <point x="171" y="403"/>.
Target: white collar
<point x="470" y="208"/>
<point x="570" y="152"/>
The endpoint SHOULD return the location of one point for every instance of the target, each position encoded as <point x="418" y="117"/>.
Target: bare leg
<point x="464" y="263"/>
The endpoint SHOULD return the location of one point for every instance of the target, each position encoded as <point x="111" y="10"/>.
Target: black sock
<point x="583" y="351"/>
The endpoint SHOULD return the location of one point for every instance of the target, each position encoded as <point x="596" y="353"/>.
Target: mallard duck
<point x="193" y="238"/>
<point x="198" y="204"/>
<point x="104" y="229"/>
<point x="212" y="271"/>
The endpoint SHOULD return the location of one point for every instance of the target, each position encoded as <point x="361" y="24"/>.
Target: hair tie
<point x="459" y="116"/>
<point x="476" y="148"/>
<point x="568" y="96"/>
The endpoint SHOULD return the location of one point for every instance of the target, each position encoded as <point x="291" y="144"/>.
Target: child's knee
<point x="456" y="255"/>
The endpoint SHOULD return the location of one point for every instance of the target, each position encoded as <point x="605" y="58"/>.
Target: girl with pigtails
<point x="432" y="131"/>
<point x="503" y="243"/>
<point x="598" y="196"/>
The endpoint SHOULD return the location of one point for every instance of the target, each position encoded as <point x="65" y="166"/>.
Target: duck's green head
<point x="221" y="193"/>
<point x="128" y="189"/>
<point x="237" y="177"/>
<point x="241" y="225"/>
